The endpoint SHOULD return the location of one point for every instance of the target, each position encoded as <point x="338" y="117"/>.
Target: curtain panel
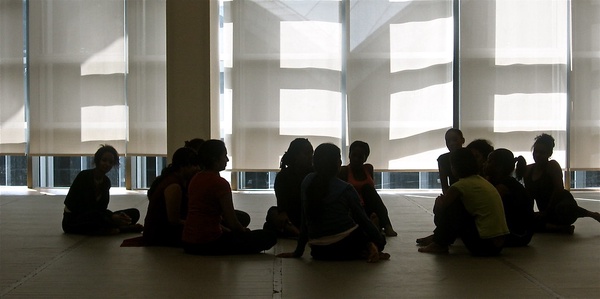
<point x="97" y="72"/>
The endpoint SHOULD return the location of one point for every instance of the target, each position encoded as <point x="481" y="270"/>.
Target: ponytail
<point x="521" y="167"/>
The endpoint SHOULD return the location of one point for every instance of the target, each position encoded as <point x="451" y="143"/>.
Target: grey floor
<point x="38" y="261"/>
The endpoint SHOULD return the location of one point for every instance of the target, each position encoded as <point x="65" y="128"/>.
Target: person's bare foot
<point x="434" y="248"/>
<point x="595" y="216"/>
<point x="383" y="256"/>
<point x="389" y="231"/>
<point x="425" y="241"/>
<point x="372" y="253"/>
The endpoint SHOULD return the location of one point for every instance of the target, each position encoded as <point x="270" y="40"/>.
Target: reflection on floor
<point x="38" y="261"/>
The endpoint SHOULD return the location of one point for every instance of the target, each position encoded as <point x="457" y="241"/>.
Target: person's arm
<point x="226" y="203"/>
<point x="555" y="172"/>
<point x="447" y="199"/>
<point x="173" y="195"/>
<point x="361" y="218"/>
<point x="443" y="176"/>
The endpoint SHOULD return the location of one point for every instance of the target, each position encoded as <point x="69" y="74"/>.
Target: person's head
<point x="500" y="163"/>
<point x="213" y="155"/>
<point x="454" y="139"/>
<point x="463" y="163"/>
<point x="327" y="160"/>
<point x="359" y="152"/>
<point x="194" y="144"/>
<point x="480" y="148"/>
<point x="543" y="148"/>
<point x="106" y="157"/>
<point x="186" y="160"/>
<point x="298" y="155"/>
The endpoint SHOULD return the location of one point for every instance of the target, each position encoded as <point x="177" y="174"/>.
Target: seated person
<point x="454" y="140"/>
<point x="86" y="204"/>
<point x="295" y="164"/>
<point x="333" y="222"/>
<point x="518" y="206"/>
<point x="360" y="175"/>
<point x="480" y="148"/>
<point x="471" y="210"/>
<point x="211" y="201"/>
<point x="167" y="206"/>
<point x="543" y="180"/>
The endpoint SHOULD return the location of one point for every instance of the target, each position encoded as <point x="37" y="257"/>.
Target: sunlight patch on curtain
<point x="417" y="45"/>
<point x="419" y="111"/>
<point x="311" y="44"/>
<point x="310" y="112"/>
<point x="531" y="32"/>
<point x="530" y="112"/>
<point x="110" y="60"/>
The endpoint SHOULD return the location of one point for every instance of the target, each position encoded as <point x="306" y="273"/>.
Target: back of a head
<point x="327" y="159"/>
<point x="210" y="151"/>
<point x="463" y="163"/>
<point x="183" y="157"/>
<point x="194" y="144"/>
<point x="360" y="144"/>
<point x="295" y="148"/>
<point x="484" y="147"/>
<point x="505" y="160"/>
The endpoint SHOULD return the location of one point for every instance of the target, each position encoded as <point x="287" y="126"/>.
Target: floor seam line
<point x="41" y="268"/>
<point x="277" y="276"/>
<point x="531" y="278"/>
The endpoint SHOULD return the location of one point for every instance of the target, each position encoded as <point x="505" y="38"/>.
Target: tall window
<point x="381" y="71"/>
<point x="77" y="74"/>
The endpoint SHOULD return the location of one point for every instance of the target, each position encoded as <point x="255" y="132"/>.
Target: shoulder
<point x="368" y="167"/>
<point x="553" y="166"/>
<point x="444" y="157"/>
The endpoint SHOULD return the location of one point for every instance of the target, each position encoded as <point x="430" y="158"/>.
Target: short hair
<point x="463" y="163"/>
<point x="483" y="146"/>
<point x="105" y="148"/>
<point x="210" y="151"/>
<point x="455" y="130"/>
<point x="360" y="144"/>
<point x="545" y="139"/>
<point x="505" y="160"/>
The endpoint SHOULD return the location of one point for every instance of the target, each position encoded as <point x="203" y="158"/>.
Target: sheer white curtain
<point x="282" y="74"/>
<point x="513" y="65"/>
<point x="12" y="98"/>
<point x="286" y="64"/>
<point x="400" y="80"/>
<point x="92" y="83"/>
<point x="584" y="152"/>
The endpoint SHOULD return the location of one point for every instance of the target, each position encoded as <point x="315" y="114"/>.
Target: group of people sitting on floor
<point x="334" y="209"/>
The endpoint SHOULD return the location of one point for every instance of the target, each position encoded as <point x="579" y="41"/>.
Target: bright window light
<point x="419" y="111"/>
<point x="311" y="44"/>
<point x="424" y="160"/>
<point x="531" y="32"/>
<point x="417" y="45"/>
<point x="530" y="112"/>
<point x="111" y="60"/>
<point x="310" y="112"/>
